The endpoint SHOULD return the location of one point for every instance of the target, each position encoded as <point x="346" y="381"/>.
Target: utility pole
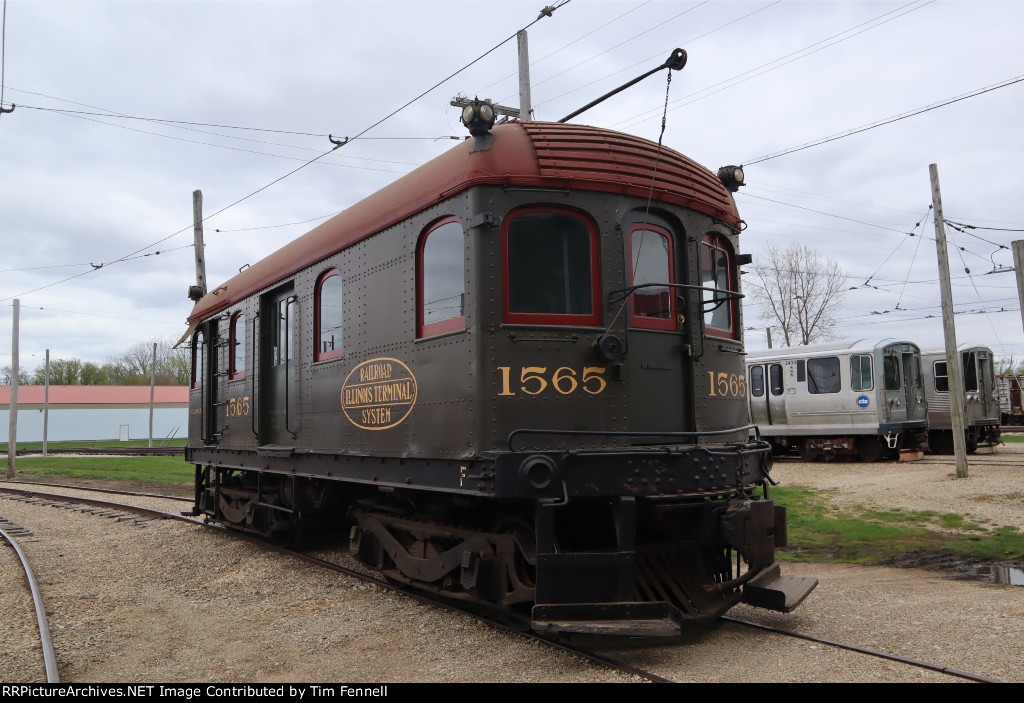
<point x="197" y="291"/>
<point x="1018" y="271"/>
<point x="525" y="101"/>
<point x="46" y="400"/>
<point x="956" y="383"/>
<point x="152" y="392"/>
<point x="12" y="427"/>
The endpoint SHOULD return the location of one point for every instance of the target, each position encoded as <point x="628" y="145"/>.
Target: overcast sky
<point x="82" y="185"/>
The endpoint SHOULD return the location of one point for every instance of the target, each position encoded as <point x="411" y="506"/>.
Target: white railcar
<point x="981" y="408"/>
<point x="863" y="398"/>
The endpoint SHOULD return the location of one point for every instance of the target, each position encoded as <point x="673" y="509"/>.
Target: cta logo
<point x="863" y="401"/>
<point x="378" y="394"/>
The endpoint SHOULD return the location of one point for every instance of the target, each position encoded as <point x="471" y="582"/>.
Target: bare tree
<point x="799" y="292"/>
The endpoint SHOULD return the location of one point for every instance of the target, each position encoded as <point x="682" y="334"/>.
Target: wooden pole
<point x="12" y="427"/>
<point x="46" y="400"/>
<point x="197" y="218"/>
<point x="956" y="382"/>
<point x="1018" y="271"/>
<point x="152" y="393"/>
<point x="525" y="100"/>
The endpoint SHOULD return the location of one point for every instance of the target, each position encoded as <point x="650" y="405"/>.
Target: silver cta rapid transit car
<point x="863" y="398"/>
<point x="981" y="408"/>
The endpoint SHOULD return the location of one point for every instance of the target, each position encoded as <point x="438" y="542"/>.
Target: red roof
<point x="95" y="395"/>
<point x="523" y="153"/>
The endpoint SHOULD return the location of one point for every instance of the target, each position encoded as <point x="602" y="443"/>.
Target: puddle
<point x="1007" y="574"/>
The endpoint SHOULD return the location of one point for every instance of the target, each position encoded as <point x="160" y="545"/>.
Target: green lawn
<point x="156" y="469"/>
<point x="112" y="443"/>
<point x="821" y="532"/>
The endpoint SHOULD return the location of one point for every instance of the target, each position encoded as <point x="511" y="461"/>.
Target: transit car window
<point x="716" y="271"/>
<point x="775" y="379"/>
<point x="823" y="375"/>
<point x="892" y="373"/>
<point x="970" y="372"/>
<point x="198" y="360"/>
<point x="284" y="341"/>
<point x="756" y="381"/>
<point x="237" y="369"/>
<point x="442" y="287"/>
<point x="941" y="377"/>
<point x="652" y="306"/>
<point x="860" y="373"/>
<point x="551" y="268"/>
<point x="329" y="316"/>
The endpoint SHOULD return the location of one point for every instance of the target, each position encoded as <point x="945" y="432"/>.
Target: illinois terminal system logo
<point x="378" y="394"/>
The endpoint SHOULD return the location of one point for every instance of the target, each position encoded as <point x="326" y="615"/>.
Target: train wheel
<point x="869" y="449"/>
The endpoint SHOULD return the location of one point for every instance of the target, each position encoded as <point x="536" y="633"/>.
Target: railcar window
<point x="329" y="316"/>
<point x="442" y="289"/>
<point x="860" y="373"/>
<point x="237" y="369"/>
<point x="716" y="271"/>
<point x="941" y="377"/>
<point x="551" y="269"/>
<point x="891" y="373"/>
<point x="970" y="372"/>
<point x="823" y="375"/>
<point x="198" y="360"/>
<point x="800" y="373"/>
<point x="757" y="381"/>
<point x="651" y="262"/>
<point x="775" y="379"/>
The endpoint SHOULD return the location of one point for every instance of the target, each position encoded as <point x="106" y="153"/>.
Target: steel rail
<point x="864" y="650"/>
<point x="49" y="655"/>
<point x="111" y="491"/>
<point x="516" y="627"/>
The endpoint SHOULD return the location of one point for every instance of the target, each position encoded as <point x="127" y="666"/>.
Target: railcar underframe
<point x="651" y="537"/>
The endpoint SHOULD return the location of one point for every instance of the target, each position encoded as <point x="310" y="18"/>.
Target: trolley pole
<point x="956" y="383"/>
<point x="12" y="427"/>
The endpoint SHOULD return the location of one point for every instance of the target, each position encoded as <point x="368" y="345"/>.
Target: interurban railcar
<point x="862" y="398"/>
<point x="981" y="402"/>
<point x="515" y="376"/>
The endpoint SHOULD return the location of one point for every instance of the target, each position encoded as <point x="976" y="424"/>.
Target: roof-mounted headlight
<point x="478" y="117"/>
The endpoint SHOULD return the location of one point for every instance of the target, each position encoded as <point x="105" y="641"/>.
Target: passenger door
<point x="767" y="395"/>
<point x="655" y="360"/>
<point x="277" y="378"/>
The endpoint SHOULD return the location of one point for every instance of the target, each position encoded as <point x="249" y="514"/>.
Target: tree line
<point x="129" y="368"/>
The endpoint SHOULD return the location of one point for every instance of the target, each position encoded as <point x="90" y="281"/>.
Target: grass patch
<point x="818" y="531"/>
<point x="111" y="443"/>
<point x="1012" y="438"/>
<point x="156" y="469"/>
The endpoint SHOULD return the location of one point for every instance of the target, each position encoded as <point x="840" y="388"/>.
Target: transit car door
<point x="277" y="377"/>
<point x="767" y="395"/>
<point x="655" y="361"/>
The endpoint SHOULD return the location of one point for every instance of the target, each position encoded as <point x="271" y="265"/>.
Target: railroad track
<point x="107" y="451"/>
<point x="9" y="532"/>
<point x="590" y="653"/>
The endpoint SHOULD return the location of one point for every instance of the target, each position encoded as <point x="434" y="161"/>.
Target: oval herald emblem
<point x="378" y="394"/>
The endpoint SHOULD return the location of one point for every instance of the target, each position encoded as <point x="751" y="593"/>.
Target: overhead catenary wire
<point x="546" y="12"/>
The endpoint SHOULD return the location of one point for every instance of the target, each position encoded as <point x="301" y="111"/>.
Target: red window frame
<point x="591" y="319"/>
<point x="452" y="324"/>
<point x="642" y="321"/>
<point x="334" y="353"/>
<point x="716" y="241"/>
<point x="233" y="372"/>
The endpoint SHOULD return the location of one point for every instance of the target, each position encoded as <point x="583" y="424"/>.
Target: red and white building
<point x="96" y="413"/>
